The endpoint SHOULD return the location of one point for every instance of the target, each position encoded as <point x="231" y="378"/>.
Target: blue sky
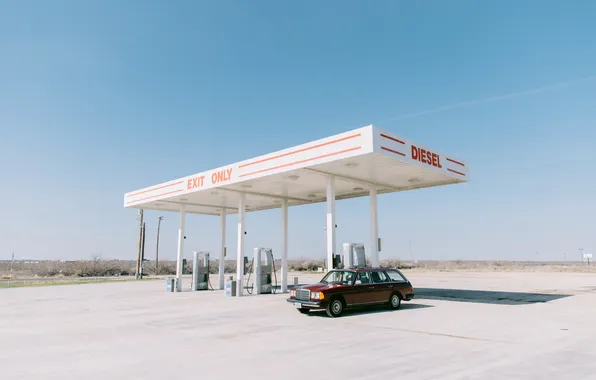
<point x="101" y="98"/>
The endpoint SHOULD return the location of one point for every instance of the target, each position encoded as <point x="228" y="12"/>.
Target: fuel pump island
<point x="366" y="161"/>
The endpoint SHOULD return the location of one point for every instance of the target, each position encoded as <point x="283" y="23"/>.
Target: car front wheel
<point x="334" y="308"/>
<point x="394" y="301"/>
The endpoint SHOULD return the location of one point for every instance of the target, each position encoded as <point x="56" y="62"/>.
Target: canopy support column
<point x="240" y="250"/>
<point x="180" y="248"/>
<point x="284" y="246"/>
<point x="222" y="252"/>
<point x="374" y="228"/>
<point x="330" y="221"/>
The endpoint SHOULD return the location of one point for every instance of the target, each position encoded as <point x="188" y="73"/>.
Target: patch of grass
<point x="28" y="283"/>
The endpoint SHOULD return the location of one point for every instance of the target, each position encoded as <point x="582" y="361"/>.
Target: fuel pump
<point x="354" y="256"/>
<point x="337" y="264"/>
<point x="263" y="268"/>
<point x="200" y="271"/>
<point x="263" y="271"/>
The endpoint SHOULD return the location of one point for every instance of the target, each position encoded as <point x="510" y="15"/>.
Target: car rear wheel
<point x="335" y="308"/>
<point x="395" y="301"/>
<point x="303" y="310"/>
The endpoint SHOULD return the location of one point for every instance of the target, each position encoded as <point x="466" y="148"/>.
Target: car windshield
<point x="338" y="277"/>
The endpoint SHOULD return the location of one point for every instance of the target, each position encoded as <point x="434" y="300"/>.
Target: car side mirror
<point x="358" y="282"/>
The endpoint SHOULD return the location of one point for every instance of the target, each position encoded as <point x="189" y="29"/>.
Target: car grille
<point x="303" y="294"/>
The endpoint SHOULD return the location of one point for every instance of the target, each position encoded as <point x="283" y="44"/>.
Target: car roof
<point x="367" y="269"/>
<point x="371" y="269"/>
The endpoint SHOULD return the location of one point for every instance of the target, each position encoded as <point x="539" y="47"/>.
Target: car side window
<point x="363" y="278"/>
<point x="395" y="276"/>
<point x="379" y="277"/>
<point x="348" y="278"/>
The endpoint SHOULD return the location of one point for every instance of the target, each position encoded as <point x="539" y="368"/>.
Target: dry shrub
<point x="305" y="266"/>
<point x="99" y="268"/>
<point x="166" y="268"/>
<point x="169" y="268"/>
<point x="214" y="267"/>
<point x="50" y="269"/>
<point x="229" y="267"/>
<point x="395" y="264"/>
<point x="87" y="268"/>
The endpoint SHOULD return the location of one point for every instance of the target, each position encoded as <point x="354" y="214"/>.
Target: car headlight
<point x="317" y="296"/>
<point x="292" y="293"/>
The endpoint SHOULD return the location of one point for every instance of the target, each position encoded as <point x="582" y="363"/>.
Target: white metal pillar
<point x="256" y="287"/>
<point x="284" y="246"/>
<point x="180" y="248"/>
<point x="240" y="251"/>
<point x="222" y="252"/>
<point x="374" y="228"/>
<point x="330" y="221"/>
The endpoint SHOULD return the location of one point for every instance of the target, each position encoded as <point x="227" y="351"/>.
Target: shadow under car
<point x="486" y="296"/>
<point x="355" y="311"/>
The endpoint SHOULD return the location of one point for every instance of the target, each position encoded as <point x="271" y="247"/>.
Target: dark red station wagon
<point x="347" y="288"/>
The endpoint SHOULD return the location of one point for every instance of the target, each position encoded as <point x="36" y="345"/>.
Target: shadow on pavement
<point x="486" y="296"/>
<point x="372" y="310"/>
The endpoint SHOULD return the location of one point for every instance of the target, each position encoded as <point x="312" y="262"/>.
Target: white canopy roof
<point x="359" y="159"/>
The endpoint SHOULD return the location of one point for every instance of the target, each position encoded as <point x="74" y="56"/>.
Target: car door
<point x="351" y="293"/>
<point x="382" y="286"/>
<point x="397" y="281"/>
<point x="363" y="289"/>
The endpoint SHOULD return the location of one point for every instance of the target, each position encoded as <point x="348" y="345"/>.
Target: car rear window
<point x="395" y="276"/>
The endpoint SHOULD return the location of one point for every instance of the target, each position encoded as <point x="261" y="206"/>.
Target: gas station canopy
<point x="360" y="160"/>
<point x="363" y="162"/>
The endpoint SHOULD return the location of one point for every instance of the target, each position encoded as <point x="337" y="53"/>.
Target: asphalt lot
<point x="462" y="326"/>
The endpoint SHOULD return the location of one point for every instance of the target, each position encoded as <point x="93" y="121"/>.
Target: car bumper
<point x="409" y="297"/>
<point x="307" y="304"/>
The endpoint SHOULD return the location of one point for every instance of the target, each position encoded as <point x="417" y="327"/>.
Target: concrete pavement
<point x="463" y="326"/>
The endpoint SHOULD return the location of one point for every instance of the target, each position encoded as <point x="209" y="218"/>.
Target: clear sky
<point x="98" y="98"/>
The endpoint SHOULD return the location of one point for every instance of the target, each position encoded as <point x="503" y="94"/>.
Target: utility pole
<point x="138" y="271"/>
<point x="10" y="276"/>
<point x="142" y="253"/>
<point x="159" y="219"/>
<point x="581" y="253"/>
